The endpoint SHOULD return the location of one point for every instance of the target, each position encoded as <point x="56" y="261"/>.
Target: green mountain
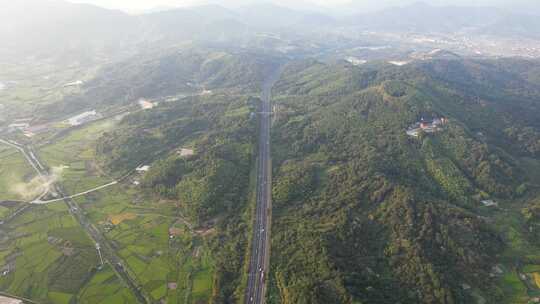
<point x="158" y="75"/>
<point x="364" y="213"/>
<point x="211" y="189"/>
<point x="391" y="184"/>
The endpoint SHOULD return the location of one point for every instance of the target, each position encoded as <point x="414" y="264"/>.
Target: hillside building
<point x="426" y="126"/>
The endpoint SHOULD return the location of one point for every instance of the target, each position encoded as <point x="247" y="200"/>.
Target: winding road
<point x="260" y="249"/>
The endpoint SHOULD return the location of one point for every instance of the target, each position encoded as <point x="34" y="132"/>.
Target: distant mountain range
<point x="35" y="27"/>
<point x="424" y="18"/>
<point x="515" y="6"/>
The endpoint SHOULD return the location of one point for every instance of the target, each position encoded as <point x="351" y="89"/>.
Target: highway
<point x="260" y="250"/>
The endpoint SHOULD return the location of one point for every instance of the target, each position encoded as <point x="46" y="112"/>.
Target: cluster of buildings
<point x="83" y="118"/>
<point x="426" y="126"/>
<point x="355" y="61"/>
<point x="146" y="104"/>
<point x="140" y="170"/>
<point x="183" y="152"/>
<point x="23" y="125"/>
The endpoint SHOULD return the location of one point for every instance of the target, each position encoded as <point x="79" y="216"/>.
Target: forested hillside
<point x="270" y="151"/>
<point x="182" y="72"/>
<point x="364" y="213"/>
<point x="363" y="210"/>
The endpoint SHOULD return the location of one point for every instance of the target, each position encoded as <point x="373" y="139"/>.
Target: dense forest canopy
<point x="363" y="213"/>
<point x="394" y="218"/>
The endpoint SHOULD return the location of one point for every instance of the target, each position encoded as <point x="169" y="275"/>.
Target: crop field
<point x="74" y="157"/>
<point x="518" y="283"/>
<point x="119" y="218"/>
<point x="202" y="278"/>
<point x="514" y="290"/>
<point x="48" y="256"/>
<point x="536" y="278"/>
<point x="105" y="287"/>
<point x="176" y="268"/>
<point x="520" y="286"/>
<point x="37" y="83"/>
<point x="14" y="172"/>
<point x="530" y="268"/>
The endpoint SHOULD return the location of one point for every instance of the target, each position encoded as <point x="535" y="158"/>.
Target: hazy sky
<point x="140" y="5"/>
<point x="147" y="4"/>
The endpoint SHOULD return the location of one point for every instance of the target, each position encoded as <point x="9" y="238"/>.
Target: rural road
<point x="108" y="252"/>
<point x="40" y="202"/>
<point x="260" y="250"/>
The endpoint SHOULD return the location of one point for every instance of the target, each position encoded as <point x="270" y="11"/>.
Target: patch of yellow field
<point x="119" y="218"/>
<point x="536" y="277"/>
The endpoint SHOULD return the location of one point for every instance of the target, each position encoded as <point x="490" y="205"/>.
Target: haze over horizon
<point x="530" y="6"/>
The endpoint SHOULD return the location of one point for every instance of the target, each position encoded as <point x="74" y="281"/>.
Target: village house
<point x="489" y="203"/>
<point x="426" y="126"/>
<point x="142" y="169"/>
<point x="186" y="152"/>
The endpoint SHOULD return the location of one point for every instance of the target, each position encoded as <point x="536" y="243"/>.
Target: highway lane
<point x="260" y="251"/>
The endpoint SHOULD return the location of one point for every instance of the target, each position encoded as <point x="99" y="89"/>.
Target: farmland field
<point x="139" y="229"/>
<point x="105" y="287"/>
<point x="14" y="171"/>
<point x="34" y="84"/>
<point x="73" y="156"/>
<point x="47" y="254"/>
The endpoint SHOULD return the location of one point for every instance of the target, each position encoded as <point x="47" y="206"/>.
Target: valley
<point x="159" y="228"/>
<point x="266" y="154"/>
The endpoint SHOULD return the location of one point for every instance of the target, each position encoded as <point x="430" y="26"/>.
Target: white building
<point x="143" y="168"/>
<point x="490" y="203"/>
<point x="82" y="118"/>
